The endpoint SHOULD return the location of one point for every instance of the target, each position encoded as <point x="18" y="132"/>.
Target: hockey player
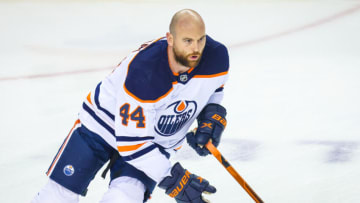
<point x="141" y="112"/>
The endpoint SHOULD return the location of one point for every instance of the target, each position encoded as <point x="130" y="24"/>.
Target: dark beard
<point x="181" y="59"/>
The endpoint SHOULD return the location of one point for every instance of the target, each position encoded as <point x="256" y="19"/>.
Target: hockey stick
<point x="232" y="171"/>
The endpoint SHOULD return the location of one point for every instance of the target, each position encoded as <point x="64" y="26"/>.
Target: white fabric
<point x="126" y="190"/>
<point x="216" y="98"/>
<point x="55" y="193"/>
<point x="121" y="190"/>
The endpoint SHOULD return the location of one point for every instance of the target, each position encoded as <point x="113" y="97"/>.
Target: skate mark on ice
<point x="231" y="149"/>
<point x="239" y="149"/>
<point x="338" y="152"/>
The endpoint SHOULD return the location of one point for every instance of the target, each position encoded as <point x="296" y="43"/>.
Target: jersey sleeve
<point x="217" y="96"/>
<point x="218" y="63"/>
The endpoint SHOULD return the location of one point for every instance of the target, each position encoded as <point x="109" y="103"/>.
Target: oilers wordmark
<point x="175" y="116"/>
<point x="170" y="123"/>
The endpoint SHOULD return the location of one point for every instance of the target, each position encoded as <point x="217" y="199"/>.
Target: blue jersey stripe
<point x="139" y="153"/>
<point x="162" y="150"/>
<point x="219" y="89"/>
<point x="101" y="122"/>
<point x="97" y="102"/>
<point x="125" y="138"/>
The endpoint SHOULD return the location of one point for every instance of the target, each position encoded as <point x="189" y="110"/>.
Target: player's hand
<point x="186" y="187"/>
<point x="211" y="124"/>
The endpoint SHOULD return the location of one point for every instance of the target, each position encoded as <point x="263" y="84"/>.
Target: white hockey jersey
<point x="144" y="110"/>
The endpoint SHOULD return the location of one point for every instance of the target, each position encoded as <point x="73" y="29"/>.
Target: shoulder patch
<point x="148" y="78"/>
<point x="215" y="59"/>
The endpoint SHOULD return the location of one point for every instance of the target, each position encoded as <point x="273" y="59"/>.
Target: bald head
<point x="186" y="19"/>
<point x="186" y="40"/>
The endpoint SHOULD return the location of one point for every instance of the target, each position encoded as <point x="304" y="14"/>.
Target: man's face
<point x="188" y="46"/>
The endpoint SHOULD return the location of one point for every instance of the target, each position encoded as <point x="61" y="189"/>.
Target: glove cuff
<point x="175" y="183"/>
<point x="212" y="107"/>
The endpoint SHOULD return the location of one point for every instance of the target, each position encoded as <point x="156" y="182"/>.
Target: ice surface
<point x="293" y="95"/>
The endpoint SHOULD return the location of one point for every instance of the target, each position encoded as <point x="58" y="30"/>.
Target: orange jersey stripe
<point x="137" y="98"/>
<point x="149" y="101"/>
<point x="62" y="148"/>
<point x="190" y="70"/>
<point x="211" y="76"/>
<point x="129" y="148"/>
<point x="178" y="148"/>
<point x="89" y="98"/>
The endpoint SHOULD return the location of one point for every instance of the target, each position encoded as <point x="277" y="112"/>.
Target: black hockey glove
<point x="211" y="124"/>
<point x="185" y="187"/>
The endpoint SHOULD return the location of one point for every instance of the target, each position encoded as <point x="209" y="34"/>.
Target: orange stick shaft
<point x="233" y="172"/>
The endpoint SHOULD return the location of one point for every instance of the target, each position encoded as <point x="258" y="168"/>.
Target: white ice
<point x="293" y="96"/>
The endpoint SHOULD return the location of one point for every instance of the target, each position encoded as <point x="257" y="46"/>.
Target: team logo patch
<point x="183" y="78"/>
<point x="175" y="117"/>
<point x="69" y="170"/>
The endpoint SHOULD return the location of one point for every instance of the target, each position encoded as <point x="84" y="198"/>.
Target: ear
<point x="170" y="39"/>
